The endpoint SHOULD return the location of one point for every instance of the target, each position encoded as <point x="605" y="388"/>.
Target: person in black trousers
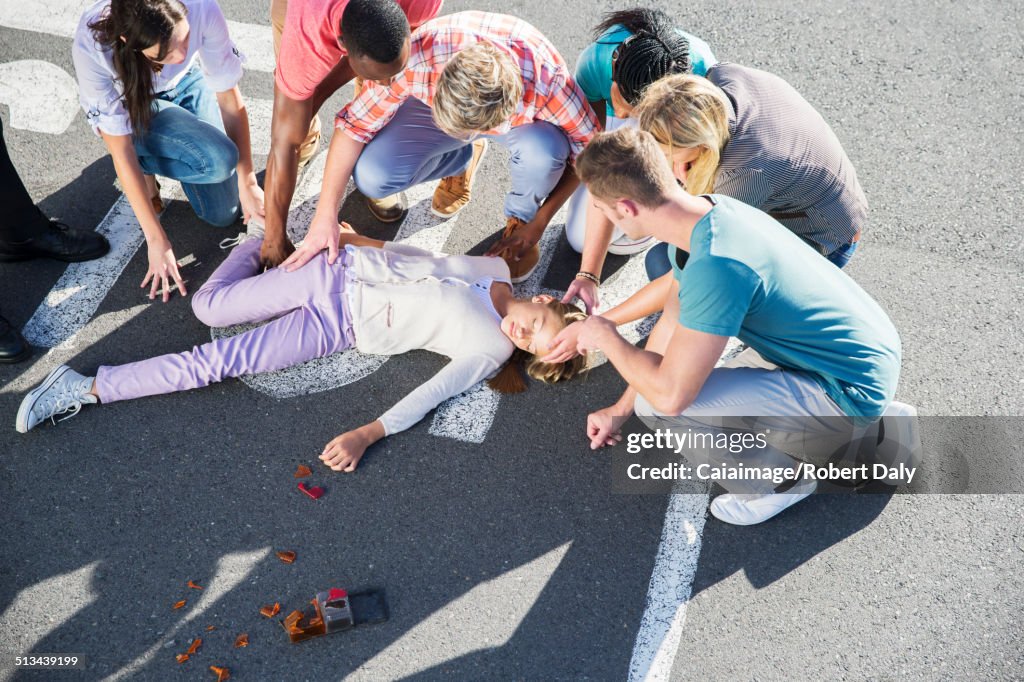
<point x="25" y="233"/>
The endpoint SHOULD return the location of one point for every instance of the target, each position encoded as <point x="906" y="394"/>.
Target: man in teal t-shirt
<point x="750" y="277"/>
<point x="833" y="352"/>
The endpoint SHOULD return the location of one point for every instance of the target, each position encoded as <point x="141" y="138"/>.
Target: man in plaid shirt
<point x="470" y="77"/>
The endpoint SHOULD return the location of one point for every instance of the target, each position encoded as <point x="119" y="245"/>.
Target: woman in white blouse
<point x="158" y="80"/>
<point x="381" y="298"/>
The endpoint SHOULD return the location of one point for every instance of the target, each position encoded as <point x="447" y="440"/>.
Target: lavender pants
<point x="309" y="319"/>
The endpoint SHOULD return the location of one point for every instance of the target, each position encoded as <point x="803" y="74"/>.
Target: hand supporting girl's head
<point x="531" y="325"/>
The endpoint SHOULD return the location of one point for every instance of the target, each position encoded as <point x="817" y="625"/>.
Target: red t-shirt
<point x="309" y="42"/>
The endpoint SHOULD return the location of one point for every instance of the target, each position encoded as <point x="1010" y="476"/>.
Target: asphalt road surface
<point x="492" y="526"/>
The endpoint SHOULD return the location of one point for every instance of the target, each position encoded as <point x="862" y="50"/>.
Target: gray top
<point x="783" y="158"/>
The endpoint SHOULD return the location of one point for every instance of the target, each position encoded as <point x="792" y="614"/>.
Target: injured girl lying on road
<point x="380" y="298"/>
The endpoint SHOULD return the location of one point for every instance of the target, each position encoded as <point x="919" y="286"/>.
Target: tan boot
<point x="388" y="209"/>
<point x="310" y="146"/>
<point x="453" y="193"/>
<point x="154" y="194"/>
<point x="521" y="269"/>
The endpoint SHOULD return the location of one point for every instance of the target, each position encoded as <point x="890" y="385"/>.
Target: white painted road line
<point x="60" y="18"/>
<point x="669" y="591"/>
<point x="42" y="97"/>
<point x="78" y="293"/>
<point x="672" y="578"/>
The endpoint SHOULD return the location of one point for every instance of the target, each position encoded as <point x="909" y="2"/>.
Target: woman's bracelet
<point x="588" y="275"/>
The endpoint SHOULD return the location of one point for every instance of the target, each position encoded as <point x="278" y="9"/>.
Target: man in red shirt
<point x="312" y="64"/>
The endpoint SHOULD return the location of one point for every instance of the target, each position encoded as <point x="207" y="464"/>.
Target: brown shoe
<point x="389" y="209"/>
<point x="310" y="146"/>
<point x="453" y="192"/>
<point x="521" y="269"/>
<point x="155" y="199"/>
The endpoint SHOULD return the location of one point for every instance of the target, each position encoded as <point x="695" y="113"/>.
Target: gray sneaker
<point x="62" y="391"/>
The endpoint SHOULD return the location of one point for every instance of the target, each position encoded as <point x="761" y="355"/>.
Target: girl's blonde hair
<point x="509" y="378"/>
<point x="688" y="111"/>
<point x="479" y="89"/>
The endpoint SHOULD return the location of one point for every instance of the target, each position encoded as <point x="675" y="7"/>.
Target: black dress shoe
<point x="13" y="347"/>
<point x="58" y="241"/>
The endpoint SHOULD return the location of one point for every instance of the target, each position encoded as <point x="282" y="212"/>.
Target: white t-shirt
<point x="99" y="89"/>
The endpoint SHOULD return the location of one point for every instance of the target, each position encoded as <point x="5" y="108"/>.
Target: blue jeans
<point x="841" y="256"/>
<point x="656" y="263"/>
<point x="411" y="149"/>
<point x="185" y="141"/>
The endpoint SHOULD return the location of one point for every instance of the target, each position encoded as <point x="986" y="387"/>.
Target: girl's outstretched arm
<point x="344" y="452"/>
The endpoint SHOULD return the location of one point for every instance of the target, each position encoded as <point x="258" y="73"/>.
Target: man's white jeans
<point x="781" y="403"/>
<point x="579" y="202"/>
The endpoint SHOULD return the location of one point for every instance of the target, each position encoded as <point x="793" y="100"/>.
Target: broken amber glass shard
<point x="299" y="631"/>
<point x="181" y="658"/>
<point x="178" y="604"/>
<point x="302" y="471"/>
<point x="193" y="585"/>
<point x="271" y="611"/>
<point x="194" y="646"/>
<point x="242" y="640"/>
<point x="287" y="556"/>
<point x="222" y="673"/>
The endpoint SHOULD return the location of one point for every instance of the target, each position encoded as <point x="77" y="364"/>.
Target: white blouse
<point x="402" y="298"/>
<point x="100" y="91"/>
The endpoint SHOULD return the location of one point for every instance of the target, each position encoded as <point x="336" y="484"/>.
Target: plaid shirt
<point x="550" y="92"/>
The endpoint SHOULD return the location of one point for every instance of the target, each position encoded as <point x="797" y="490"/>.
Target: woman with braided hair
<point x="632" y="48"/>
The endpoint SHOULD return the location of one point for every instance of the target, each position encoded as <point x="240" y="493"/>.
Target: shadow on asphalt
<point x="769" y="551"/>
<point x="159" y="491"/>
<point x="25" y="284"/>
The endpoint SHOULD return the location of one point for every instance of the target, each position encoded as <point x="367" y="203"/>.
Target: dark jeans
<point x="19" y="217"/>
<point x="186" y="141"/>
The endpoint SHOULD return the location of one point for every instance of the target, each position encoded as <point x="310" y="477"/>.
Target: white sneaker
<point x="254" y="229"/>
<point x="62" y="391"/>
<point x="746" y="509"/>
<point x="624" y="246"/>
<point x="899" y="437"/>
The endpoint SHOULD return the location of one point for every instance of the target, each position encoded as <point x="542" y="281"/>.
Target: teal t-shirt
<point x="749" y="277"/>
<point x="594" y="67"/>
